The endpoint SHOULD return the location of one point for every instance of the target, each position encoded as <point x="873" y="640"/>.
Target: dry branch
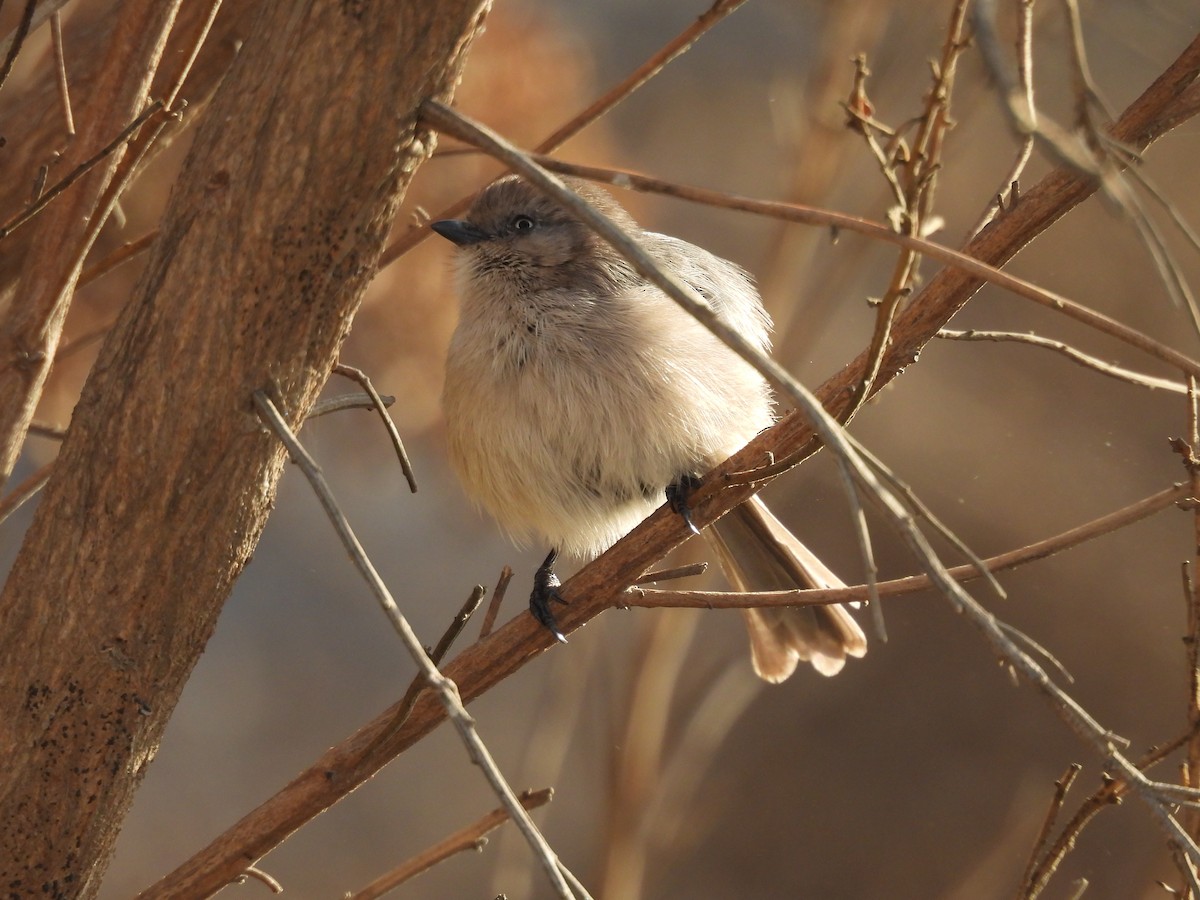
<point x="469" y="838"/>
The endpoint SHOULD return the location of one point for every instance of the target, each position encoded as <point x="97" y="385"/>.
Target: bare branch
<point x="469" y="838"/>
<point x="1084" y="359"/>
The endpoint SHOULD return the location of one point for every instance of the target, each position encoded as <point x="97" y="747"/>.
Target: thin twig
<point x="866" y="552"/>
<point x="688" y="571"/>
<point x="1110" y="792"/>
<point x="983" y="24"/>
<point x="418" y="685"/>
<point x="60" y="63"/>
<point x="472" y="837"/>
<point x="1056" y="803"/>
<point x="79" y="171"/>
<point x="1107" y="151"/>
<point x="651" y="598"/>
<point x="1092" y="153"/>
<point x="1037" y="648"/>
<point x="1191" y="640"/>
<point x="445" y="689"/>
<point x="259" y="875"/>
<point x="25" y="490"/>
<point x="122" y="254"/>
<point x="921" y="510"/>
<point x="18" y="39"/>
<point x="1084" y="359"/>
<point x="670" y="51"/>
<point x="186" y="67"/>
<point x="388" y="423"/>
<point x="917" y="178"/>
<point x="489" y="618"/>
<point x="349" y="401"/>
<point x="457" y="624"/>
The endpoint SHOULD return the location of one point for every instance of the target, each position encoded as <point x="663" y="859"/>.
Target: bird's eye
<point x="522" y="223"/>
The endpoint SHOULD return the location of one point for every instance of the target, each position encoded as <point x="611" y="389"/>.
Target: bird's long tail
<point x="757" y="553"/>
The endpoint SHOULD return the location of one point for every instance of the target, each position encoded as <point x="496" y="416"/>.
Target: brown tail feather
<point x="758" y="553"/>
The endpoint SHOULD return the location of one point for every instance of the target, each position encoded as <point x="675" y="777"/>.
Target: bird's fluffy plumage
<point x="576" y="392"/>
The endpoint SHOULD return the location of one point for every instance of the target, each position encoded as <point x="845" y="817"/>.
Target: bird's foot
<point x="545" y="589"/>
<point x="679" y="493"/>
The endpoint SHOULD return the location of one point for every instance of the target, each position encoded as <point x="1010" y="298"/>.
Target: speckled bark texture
<point x="166" y="479"/>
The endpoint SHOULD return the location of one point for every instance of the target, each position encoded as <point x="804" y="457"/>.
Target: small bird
<point x="578" y="396"/>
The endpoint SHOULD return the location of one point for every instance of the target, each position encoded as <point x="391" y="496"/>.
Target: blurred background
<point x="921" y="771"/>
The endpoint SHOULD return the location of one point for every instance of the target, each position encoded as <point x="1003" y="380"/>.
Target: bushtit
<point x="578" y="395"/>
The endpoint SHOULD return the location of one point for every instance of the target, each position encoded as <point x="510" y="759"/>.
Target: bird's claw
<point x="546" y="588"/>
<point x="679" y="492"/>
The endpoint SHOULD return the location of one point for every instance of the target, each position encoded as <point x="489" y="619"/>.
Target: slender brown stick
<point x="124" y="253"/>
<point x="389" y="423"/>
<point x="1056" y="803"/>
<point x="18" y="39"/>
<point x="259" y="875"/>
<point x="1084" y="359"/>
<point x="653" y="598"/>
<point x="982" y="19"/>
<point x="688" y="571"/>
<point x="24" y="491"/>
<point x="489" y="618"/>
<point x="457" y="624"/>
<point x="60" y="62"/>
<point x="468" y="838"/>
<point x="917" y="176"/>
<point x="79" y="171"/>
<point x="172" y="93"/>
<point x="1191" y="582"/>
<point x="348" y="401"/>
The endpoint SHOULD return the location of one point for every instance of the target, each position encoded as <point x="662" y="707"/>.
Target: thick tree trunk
<point x="166" y="478"/>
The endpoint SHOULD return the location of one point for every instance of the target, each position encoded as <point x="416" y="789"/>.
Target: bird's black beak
<point x="460" y="231"/>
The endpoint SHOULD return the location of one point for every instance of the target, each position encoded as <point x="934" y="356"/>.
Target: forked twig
<point x="1056" y="803"/>
<point x="442" y="686"/>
